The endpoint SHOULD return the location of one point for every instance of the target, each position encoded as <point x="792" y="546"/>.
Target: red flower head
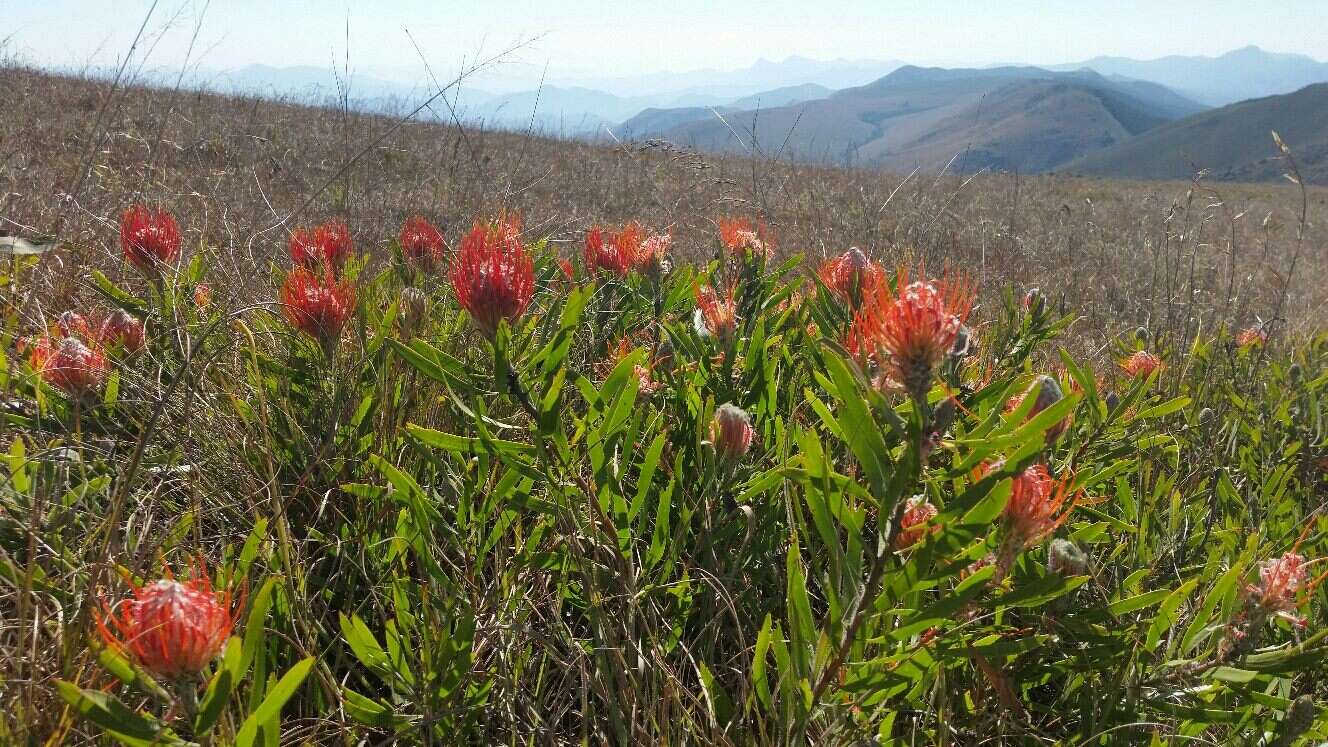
<point x="568" y="271"/>
<point x="1141" y="364"/>
<point x="913" y="524"/>
<point x="1036" y="507"/>
<point x="1251" y="337"/>
<point x="68" y="364"/>
<point x="716" y="316"/>
<point x="317" y="306"/>
<point x="644" y="373"/>
<point x="492" y="275"/>
<point x="613" y="253"/>
<point x="73" y="324"/>
<point x="149" y="239"/>
<point x="121" y="329"/>
<point x="851" y="276"/>
<point x="731" y="432"/>
<point x="421" y="243"/>
<point x="652" y="257"/>
<point x="909" y="334"/>
<point x="740" y="237"/>
<point x="327" y="245"/>
<point x="1280" y="580"/>
<point x="169" y="628"/>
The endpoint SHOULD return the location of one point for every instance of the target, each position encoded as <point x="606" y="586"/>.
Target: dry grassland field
<point x="326" y="427"/>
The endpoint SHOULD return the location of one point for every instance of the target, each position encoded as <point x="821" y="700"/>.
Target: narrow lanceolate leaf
<point x="268" y="711"/>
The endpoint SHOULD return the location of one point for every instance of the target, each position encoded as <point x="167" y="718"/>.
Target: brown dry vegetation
<point x="1174" y="256"/>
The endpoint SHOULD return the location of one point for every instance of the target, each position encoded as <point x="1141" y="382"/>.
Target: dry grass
<point x="1173" y="256"/>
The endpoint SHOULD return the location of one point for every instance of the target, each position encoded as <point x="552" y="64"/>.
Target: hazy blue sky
<point x="584" y="36"/>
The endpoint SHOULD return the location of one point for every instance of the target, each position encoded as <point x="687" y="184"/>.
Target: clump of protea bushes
<point x="471" y="490"/>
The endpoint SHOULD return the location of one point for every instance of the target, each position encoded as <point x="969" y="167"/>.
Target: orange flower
<point x="68" y="364"/>
<point x="716" y="316"/>
<point x="122" y="330"/>
<point x="1141" y="364"/>
<point x="1035" y="507"/>
<point x="493" y="277"/>
<point x="652" y="256"/>
<point x="613" y="253"/>
<point x="739" y="236"/>
<point x="421" y="243"/>
<point x="169" y="628"/>
<point x="644" y="373"/>
<point x="1280" y="580"/>
<point x="851" y="276"/>
<point x="328" y="245"/>
<point x="73" y="324"/>
<point x="731" y="432"/>
<point x="202" y="295"/>
<point x="1251" y="337"/>
<point x="149" y="239"/>
<point x="910" y="334"/>
<point x="317" y="306"/>
<point x="913" y="524"/>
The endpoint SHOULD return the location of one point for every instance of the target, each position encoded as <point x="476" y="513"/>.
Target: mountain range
<point x="1106" y="115"/>
<point x="1009" y="118"/>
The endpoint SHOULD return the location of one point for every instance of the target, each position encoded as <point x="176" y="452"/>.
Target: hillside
<point x="1013" y="118"/>
<point x="1231" y="143"/>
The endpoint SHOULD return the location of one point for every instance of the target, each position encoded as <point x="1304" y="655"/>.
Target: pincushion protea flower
<point x="1141" y="364"/>
<point x="421" y="243"/>
<point x="910" y="333"/>
<point x="731" y="432"/>
<point x="851" y="276"/>
<point x="566" y="268"/>
<point x="1036" y="508"/>
<point x="644" y="372"/>
<point x="740" y="237"/>
<point x="652" y="256"/>
<point x="613" y="253"/>
<point x="202" y="295"/>
<point x="69" y="364"/>
<point x="492" y="275"/>
<point x="716" y="315"/>
<point x="122" y="330"/>
<point x="170" y="628"/>
<point x="913" y="524"/>
<point x="326" y="246"/>
<point x="1251" y="337"/>
<point x="1280" y="580"/>
<point x="73" y="324"/>
<point x="149" y="239"/>
<point x="317" y="305"/>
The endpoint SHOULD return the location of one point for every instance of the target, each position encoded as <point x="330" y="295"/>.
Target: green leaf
<point x="110" y="714"/>
<point x="270" y="708"/>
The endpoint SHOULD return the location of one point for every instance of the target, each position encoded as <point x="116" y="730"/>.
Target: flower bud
<point x="121" y="329"/>
<point x="414" y="306"/>
<point x="202" y="295"/>
<point x="965" y="340"/>
<point x="1035" y="302"/>
<point x="1295" y="372"/>
<point x="731" y="432"/>
<point x="1111" y="401"/>
<point x="1141" y="334"/>
<point x="1298" y="720"/>
<point x="1064" y="558"/>
<point x="913" y="524"/>
<point x="1206" y="416"/>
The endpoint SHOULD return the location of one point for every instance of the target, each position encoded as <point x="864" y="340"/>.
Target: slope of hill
<point x="1240" y="74"/>
<point x="1232" y="142"/>
<point x="1012" y="118"/>
<point x="656" y="121"/>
